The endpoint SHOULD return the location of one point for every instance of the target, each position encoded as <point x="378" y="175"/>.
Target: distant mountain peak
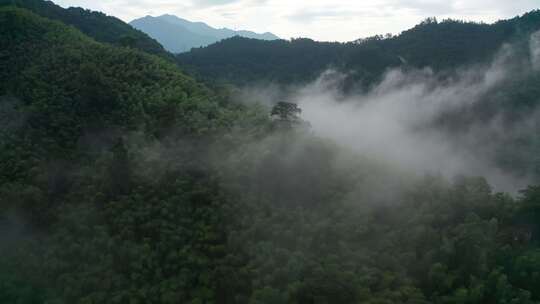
<point x="179" y="35"/>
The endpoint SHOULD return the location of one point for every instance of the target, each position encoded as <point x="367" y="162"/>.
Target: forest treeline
<point x="441" y="45"/>
<point x="124" y="180"/>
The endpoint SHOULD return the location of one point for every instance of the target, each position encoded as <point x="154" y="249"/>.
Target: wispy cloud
<point x="335" y="12"/>
<point x="210" y="3"/>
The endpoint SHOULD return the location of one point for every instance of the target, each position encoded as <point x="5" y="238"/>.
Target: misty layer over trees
<point x="421" y="121"/>
<point x="124" y="180"/>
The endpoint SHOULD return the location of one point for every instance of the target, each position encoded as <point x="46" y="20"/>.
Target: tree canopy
<point x="124" y="180"/>
<point x="440" y="45"/>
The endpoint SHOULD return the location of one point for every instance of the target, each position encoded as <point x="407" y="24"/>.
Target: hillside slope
<point x="97" y="25"/>
<point x="80" y="120"/>
<point x="66" y="85"/>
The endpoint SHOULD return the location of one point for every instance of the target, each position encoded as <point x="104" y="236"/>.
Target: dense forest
<point x="97" y="25"/>
<point x="440" y="45"/>
<point x="125" y="180"/>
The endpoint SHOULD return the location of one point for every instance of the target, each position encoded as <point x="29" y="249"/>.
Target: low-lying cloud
<point x="395" y="121"/>
<point x="535" y="50"/>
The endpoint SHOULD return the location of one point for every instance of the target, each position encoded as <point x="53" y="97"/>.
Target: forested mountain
<point x="97" y="25"/>
<point x="67" y="103"/>
<point x="179" y="35"/>
<point x="439" y="45"/>
<point x="123" y="180"/>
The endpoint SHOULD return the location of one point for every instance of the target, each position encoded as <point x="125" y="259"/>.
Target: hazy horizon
<point x="319" y="20"/>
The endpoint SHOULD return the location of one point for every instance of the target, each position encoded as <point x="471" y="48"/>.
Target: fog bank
<point x="395" y="121"/>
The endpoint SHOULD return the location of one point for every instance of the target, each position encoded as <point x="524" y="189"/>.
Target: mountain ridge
<point x="440" y="45"/>
<point x="179" y="35"/>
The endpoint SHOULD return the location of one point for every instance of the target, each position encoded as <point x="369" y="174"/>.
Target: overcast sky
<point x="329" y="20"/>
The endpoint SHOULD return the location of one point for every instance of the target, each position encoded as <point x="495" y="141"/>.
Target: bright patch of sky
<point x="327" y="20"/>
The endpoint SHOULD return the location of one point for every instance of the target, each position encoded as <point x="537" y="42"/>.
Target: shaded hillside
<point x="97" y="25"/>
<point x="242" y="60"/>
<point x="440" y="45"/>
<point x="66" y="84"/>
<point x="72" y="111"/>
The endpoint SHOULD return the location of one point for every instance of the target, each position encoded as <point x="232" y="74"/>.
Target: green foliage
<point x="97" y="25"/>
<point x="286" y="111"/>
<point x="124" y="181"/>
<point x="439" y="45"/>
